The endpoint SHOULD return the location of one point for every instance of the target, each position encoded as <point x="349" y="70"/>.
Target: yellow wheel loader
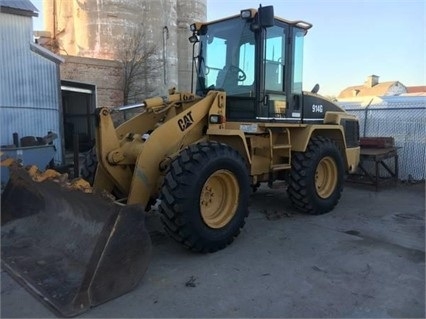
<point x="246" y="122"/>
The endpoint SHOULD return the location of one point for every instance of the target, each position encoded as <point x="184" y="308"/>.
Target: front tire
<point x="316" y="177"/>
<point x="204" y="196"/>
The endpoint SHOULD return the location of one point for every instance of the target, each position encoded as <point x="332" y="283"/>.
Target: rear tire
<point x="316" y="177"/>
<point x="204" y="196"/>
<point x="89" y="166"/>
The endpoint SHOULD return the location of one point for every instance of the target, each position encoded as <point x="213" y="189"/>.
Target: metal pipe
<point x="365" y="117"/>
<point x="128" y="107"/>
<point x="389" y="109"/>
<point x="29" y="108"/>
<point x="54" y="20"/>
<point x="192" y="68"/>
<point x="165" y="37"/>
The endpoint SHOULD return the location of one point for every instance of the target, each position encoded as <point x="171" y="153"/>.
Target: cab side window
<point x="274" y="59"/>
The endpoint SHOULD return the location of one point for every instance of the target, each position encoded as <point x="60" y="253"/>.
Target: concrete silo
<point x="102" y="28"/>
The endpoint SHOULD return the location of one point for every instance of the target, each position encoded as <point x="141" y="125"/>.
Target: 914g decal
<point x="317" y="108"/>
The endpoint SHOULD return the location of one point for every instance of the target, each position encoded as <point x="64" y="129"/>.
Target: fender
<point x="234" y="138"/>
<point x="300" y="138"/>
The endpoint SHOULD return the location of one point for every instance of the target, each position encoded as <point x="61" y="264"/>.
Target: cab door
<point x="282" y="69"/>
<point x="274" y="62"/>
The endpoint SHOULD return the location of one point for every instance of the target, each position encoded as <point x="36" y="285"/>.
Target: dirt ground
<point x="365" y="259"/>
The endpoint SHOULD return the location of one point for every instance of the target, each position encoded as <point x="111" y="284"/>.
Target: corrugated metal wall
<point x="29" y="89"/>
<point x="402" y="117"/>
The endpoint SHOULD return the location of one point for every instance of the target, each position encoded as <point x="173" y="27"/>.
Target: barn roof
<point x="379" y="89"/>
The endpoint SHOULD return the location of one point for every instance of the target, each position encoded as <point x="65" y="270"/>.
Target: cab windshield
<point x="226" y="58"/>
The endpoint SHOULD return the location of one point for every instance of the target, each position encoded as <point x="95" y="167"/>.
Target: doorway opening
<point x="79" y="103"/>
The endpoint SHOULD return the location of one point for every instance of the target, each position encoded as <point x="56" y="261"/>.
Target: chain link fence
<point x="403" y="118"/>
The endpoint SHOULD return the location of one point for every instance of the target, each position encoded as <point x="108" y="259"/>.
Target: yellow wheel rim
<point x="219" y="198"/>
<point x="326" y="177"/>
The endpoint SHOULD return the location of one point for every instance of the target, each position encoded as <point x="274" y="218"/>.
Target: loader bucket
<point x="71" y="249"/>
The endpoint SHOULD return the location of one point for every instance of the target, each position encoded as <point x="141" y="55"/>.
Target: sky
<point x="350" y="39"/>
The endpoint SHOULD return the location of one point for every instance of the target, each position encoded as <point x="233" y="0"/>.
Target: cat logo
<point x="186" y="121"/>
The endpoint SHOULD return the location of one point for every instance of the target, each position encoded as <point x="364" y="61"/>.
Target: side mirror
<point x="266" y="16"/>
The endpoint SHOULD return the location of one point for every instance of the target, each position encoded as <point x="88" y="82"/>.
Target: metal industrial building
<point x="29" y="79"/>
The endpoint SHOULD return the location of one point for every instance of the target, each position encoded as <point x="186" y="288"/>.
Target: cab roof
<point x="297" y="23"/>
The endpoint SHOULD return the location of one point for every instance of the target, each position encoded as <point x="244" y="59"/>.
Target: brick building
<point x="106" y="74"/>
<point x="92" y="38"/>
<point x="87" y="83"/>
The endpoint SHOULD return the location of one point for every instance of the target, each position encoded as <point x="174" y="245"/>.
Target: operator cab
<point x="257" y="59"/>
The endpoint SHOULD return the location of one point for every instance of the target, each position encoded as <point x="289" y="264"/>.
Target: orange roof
<point x="416" y="89"/>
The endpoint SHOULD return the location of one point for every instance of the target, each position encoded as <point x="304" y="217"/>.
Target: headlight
<point x="216" y="119"/>
<point x="193" y="38"/>
<point x="246" y="14"/>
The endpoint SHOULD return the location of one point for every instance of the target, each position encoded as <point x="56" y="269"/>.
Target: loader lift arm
<point x="134" y="165"/>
